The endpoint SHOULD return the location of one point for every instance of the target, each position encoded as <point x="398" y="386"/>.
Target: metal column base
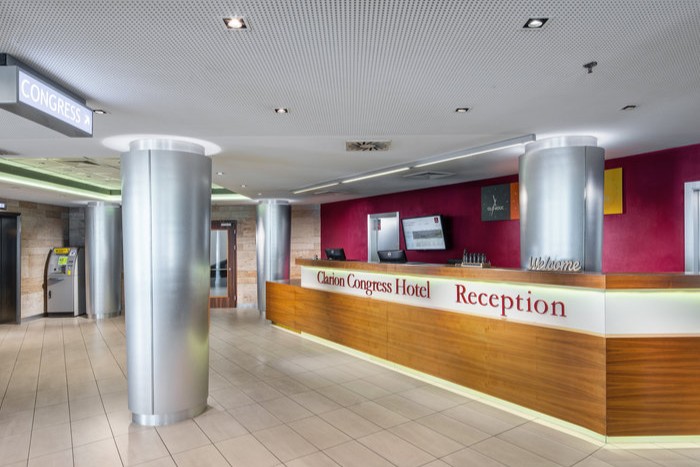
<point x="166" y="419"/>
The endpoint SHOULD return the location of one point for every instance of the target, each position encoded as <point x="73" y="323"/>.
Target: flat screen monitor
<point x="391" y="256"/>
<point x="337" y="254"/>
<point x="424" y="233"/>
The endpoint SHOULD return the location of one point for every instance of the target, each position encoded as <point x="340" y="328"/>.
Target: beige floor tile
<point x="83" y="390"/>
<point x="434" y="398"/>
<point x="319" y="432"/>
<point x="342" y="396"/>
<point x="246" y="451"/>
<point x="207" y="456"/>
<point x="544" y="446"/>
<point x="120" y="423"/>
<point x="85" y="408"/>
<point x="51" y="415"/>
<point x="50" y="439"/>
<point x="456" y="430"/>
<point x="312" y="380"/>
<point x="285" y="409"/>
<point x="99" y="454"/>
<point x="52" y="396"/>
<point x="113" y="384"/>
<point x="469" y="456"/>
<point x="317" y="459"/>
<point x="15" y="448"/>
<point x="219" y="425"/>
<point x="140" y="446"/>
<point x="231" y="397"/>
<point x="287" y="385"/>
<point x="398" y="451"/>
<point x="484" y="422"/>
<point x="402" y="406"/>
<point x="395" y="382"/>
<point x="314" y="402"/>
<point x="350" y="423"/>
<point x="115" y="401"/>
<point x="354" y="454"/>
<point x="366" y="389"/>
<point x="428" y="440"/>
<point x="11" y="406"/>
<point x="163" y="462"/>
<point x="285" y="443"/>
<point x="17" y="423"/>
<point x="378" y="414"/>
<point x="254" y="417"/>
<point x="260" y="391"/>
<point x="57" y="459"/>
<point x="510" y="454"/>
<point x="437" y="463"/>
<point x="89" y="430"/>
<point x="182" y="436"/>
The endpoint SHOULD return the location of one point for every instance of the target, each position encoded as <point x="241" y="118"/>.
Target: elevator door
<point x="222" y="263"/>
<point x="9" y="268"/>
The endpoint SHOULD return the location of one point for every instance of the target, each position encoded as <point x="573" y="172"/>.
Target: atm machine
<point x="65" y="281"/>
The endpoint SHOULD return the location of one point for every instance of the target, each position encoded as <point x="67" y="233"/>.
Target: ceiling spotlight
<point x="282" y="110"/>
<point x="462" y="110"/>
<point x="629" y="107"/>
<point x="99" y="112"/>
<point x="236" y="22"/>
<point x="535" y="23"/>
<point x="219" y="173"/>
<point x="243" y="186"/>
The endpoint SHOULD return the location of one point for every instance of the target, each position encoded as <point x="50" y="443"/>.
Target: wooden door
<point x="222" y="292"/>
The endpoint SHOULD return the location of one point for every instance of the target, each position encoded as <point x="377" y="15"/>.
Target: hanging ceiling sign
<point x="26" y="93"/>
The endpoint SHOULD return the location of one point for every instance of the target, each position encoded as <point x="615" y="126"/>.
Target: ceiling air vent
<point x="367" y="145"/>
<point x="428" y="175"/>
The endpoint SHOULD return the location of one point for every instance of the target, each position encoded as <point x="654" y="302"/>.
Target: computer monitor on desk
<point x="337" y="254"/>
<point x="392" y="256"/>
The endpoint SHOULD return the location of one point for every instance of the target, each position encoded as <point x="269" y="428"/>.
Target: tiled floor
<point x="275" y="399"/>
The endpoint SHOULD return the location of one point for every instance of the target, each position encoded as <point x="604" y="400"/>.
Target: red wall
<point x="647" y="237"/>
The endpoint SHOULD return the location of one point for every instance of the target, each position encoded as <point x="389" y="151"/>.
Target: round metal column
<point x="103" y="260"/>
<point x="272" y="242"/>
<point x="561" y="201"/>
<point x="166" y="197"/>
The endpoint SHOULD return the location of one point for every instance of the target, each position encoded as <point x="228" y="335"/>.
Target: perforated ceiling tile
<point x="362" y="70"/>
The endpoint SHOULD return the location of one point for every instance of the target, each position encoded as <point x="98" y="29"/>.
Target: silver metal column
<point x="103" y="260"/>
<point x="166" y="197"/>
<point x="272" y="242"/>
<point x="561" y="201"/>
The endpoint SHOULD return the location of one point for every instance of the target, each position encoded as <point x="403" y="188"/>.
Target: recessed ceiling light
<point x="282" y="110"/>
<point x="535" y="23"/>
<point x="629" y="107"/>
<point x="100" y="112"/>
<point x="235" y="22"/>
<point x="462" y="110"/>
<point x="243" y="186"/>
<point x="219" y="173"/>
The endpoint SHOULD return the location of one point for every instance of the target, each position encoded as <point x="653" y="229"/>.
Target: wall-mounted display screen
<point x="424" y="233"/>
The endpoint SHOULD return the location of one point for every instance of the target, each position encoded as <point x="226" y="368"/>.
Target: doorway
<point x="222" y="265"/>
<point x="382" y="234"/>
<point x="10" y="301"/>
<point x="692" y="227"/>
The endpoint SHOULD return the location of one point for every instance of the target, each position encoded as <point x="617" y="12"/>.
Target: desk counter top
<point x="614" y="281"/>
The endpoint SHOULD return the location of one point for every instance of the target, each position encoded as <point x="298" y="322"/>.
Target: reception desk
<point x="617" y="354"/>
